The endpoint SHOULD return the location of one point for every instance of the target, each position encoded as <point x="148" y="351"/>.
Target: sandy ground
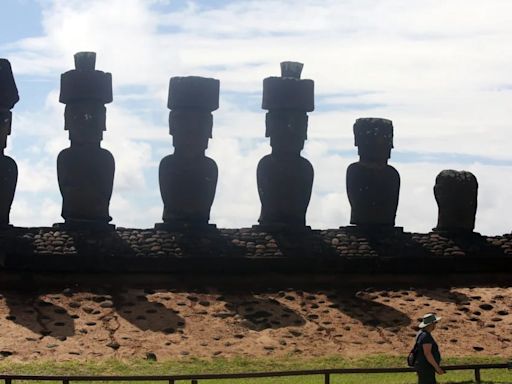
<point x="88" y="324"/>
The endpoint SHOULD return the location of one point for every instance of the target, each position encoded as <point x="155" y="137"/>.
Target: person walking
<point x="429" y="357"/>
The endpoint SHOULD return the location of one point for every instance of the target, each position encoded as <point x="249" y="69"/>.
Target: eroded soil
<point x="89" y="324"/>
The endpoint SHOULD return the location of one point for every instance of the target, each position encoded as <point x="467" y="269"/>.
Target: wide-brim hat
<point x="428" y="319"/>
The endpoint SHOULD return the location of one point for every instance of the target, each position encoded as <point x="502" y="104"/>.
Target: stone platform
<point x="247" y="250"/>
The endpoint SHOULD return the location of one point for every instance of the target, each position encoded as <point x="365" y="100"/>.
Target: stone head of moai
<point x="374" y="139"/>
<point x="288" y="99"/>
<point x="191" y="101"/>
<point x="373" y="186"/>
<point x="456" y="193"/>
<point x="85" y="91"/>
<point x="8" y="98"/>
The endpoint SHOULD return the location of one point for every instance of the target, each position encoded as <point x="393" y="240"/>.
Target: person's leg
<point x="427" y="376"/>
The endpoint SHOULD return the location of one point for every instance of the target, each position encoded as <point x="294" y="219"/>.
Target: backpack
<point x="411" y="357"/>
<point x="413" y="354"/>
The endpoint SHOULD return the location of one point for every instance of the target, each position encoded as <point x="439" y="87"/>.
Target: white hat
<point x="428" y="319"/>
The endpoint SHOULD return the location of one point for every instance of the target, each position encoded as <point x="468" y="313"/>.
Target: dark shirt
<point x="423" y="338"/>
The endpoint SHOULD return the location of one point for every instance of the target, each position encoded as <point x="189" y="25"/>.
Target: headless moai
<point x="85" y="170"/>
<point x="284" y="177"/>
<point x="456" y="195"/>
<point x="373" y="186"/>
<point x="8" y="169"/>
<point x="188" y="179"/>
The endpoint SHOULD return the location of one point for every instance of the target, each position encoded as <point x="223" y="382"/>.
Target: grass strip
<point x="244" y="364"/>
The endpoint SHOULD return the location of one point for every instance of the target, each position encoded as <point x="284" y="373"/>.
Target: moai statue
<point x="373" y="185"/>
<point x="85" y="170"/>
<point x="456" y="195"/>
<point x="284" y="177"/>
<point x="188" y="178"/>
<point x="8" y="169"/>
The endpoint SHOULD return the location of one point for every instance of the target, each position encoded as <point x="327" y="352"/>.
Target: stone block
<point x="288" y="93"/>
<point x="193" y="92"/>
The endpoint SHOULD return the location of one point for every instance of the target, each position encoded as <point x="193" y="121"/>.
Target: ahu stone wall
<point x="248" y="250"/>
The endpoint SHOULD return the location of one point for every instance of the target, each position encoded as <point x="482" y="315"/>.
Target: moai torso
<point x="456" y="196"/>
<point x="373" y="186"/>
<point x="188" y="179"/>
<point x="285" y="178"/>
<point x="8" y="169"/>
<point x="8" y="180"/>
<point x="85" y="170"/>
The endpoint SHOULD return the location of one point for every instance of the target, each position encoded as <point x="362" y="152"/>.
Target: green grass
<point x="221" y="365"/>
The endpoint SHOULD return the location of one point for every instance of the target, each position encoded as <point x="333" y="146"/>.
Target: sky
<point x="439" y="69"/>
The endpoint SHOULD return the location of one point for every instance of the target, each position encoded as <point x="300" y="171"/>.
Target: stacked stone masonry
<point x="342" y="250"/>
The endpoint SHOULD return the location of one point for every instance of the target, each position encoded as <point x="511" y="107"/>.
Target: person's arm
<point x="427" y="351"/>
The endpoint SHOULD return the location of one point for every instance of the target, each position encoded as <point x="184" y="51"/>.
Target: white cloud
<point x="31" y="211"/>
<point x="236" y="202"/>
<point x="36" y="177"/>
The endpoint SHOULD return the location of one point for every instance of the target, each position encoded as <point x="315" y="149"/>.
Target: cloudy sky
<point x="439" y="69"/>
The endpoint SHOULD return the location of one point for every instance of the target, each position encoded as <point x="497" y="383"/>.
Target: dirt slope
<point x="88" y="324"/>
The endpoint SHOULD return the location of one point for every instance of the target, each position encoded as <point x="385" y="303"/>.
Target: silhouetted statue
<point x="85" y="170"/>
<point x="373" y="185"/>
<point x="8" y="169"/>
<point x="456" y="195"/>
<point x="188" y="178"/>
<point x="285" y="178"/>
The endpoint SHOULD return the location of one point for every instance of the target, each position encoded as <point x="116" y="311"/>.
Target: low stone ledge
<point x="252" y="250"/>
